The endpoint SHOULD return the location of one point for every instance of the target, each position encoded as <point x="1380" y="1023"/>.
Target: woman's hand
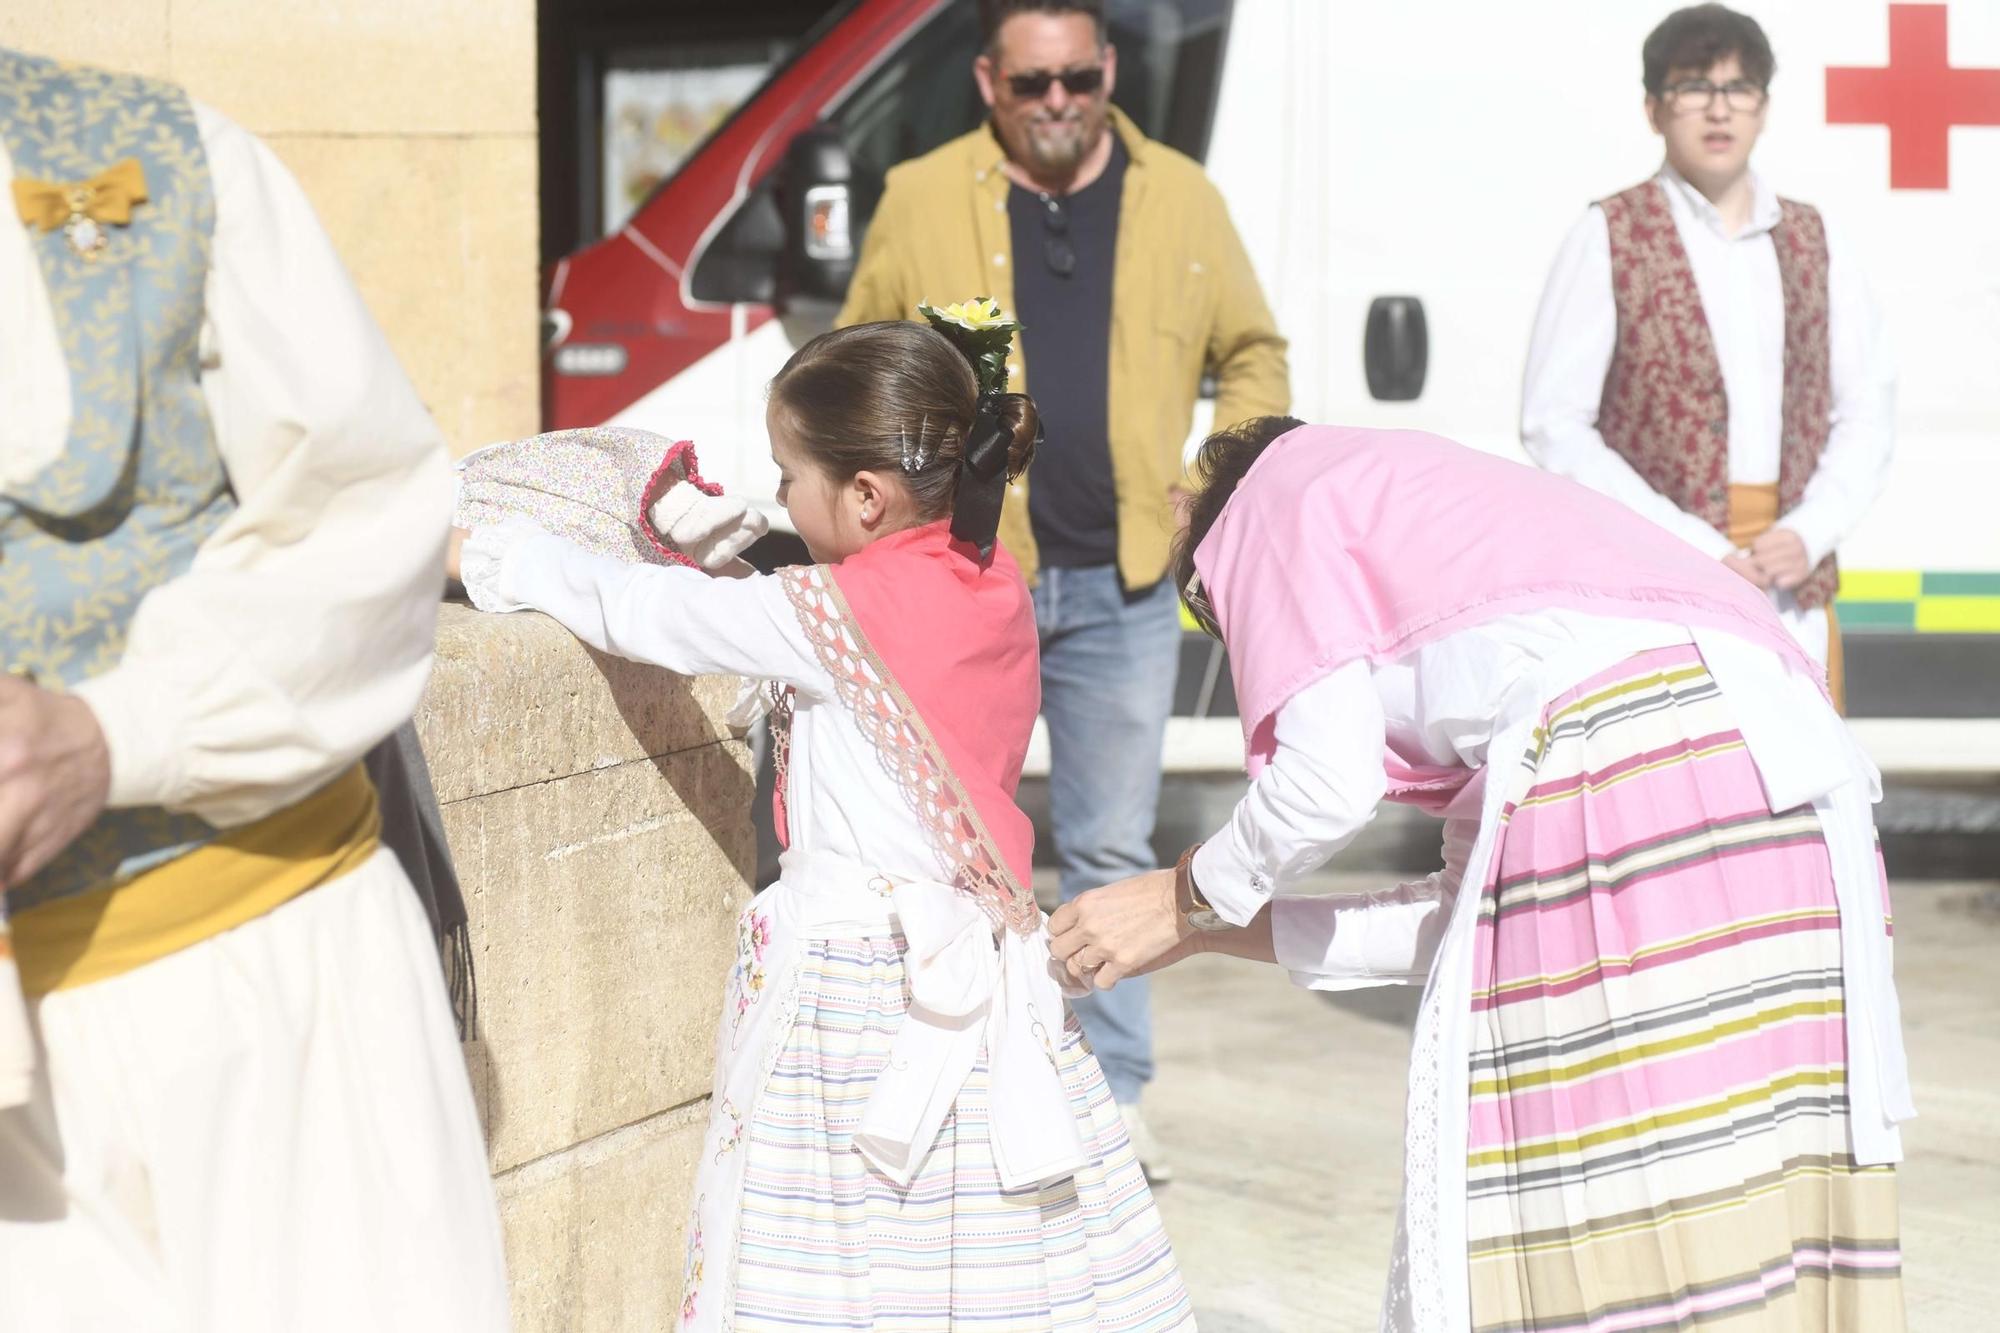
<point x="452" y="549"/>
<point x="1121" y="930"/>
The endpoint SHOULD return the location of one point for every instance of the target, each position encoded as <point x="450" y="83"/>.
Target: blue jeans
<point x="1109" y="661"/>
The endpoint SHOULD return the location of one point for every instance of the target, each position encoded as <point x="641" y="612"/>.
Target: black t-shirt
<point x="1066" y="337"/>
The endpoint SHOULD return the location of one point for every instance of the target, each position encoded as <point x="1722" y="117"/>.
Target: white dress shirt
<point x="302" y="632"/>
<point x="1442" y="705"/>
<point x="1575" y="336"/>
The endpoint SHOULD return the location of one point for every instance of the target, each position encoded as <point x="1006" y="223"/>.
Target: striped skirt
<point x="794" y="1231"/>
<point x="1657" y="1119"/>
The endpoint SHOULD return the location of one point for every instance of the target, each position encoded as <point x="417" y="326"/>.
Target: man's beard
<point x="1062" y="144"/>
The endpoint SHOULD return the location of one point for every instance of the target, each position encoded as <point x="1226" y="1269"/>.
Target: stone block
<point x="603" y="920"/>
<point x="516" y="699"/>
<point x="127" y="35"/>
<point x="595" y="1237"/>
<point x="338" y="67"/>
<point x="440" y="235"/>
<point x="499" y="309"/>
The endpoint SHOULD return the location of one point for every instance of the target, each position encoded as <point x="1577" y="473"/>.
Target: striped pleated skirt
<point x="824" y="1242"/>
<point x="1657" y="1131"/>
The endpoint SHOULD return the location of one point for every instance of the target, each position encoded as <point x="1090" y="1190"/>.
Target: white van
<point x="1402" y="175"/>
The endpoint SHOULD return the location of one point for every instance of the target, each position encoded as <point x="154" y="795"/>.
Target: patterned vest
<point x="1664" y="407"/>
<point x="141" y="483"/>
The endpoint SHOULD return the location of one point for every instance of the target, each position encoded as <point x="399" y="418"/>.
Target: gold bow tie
<point x="80" y="206"/>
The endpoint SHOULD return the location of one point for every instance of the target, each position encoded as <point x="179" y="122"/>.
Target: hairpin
<point x="914" y="459"/>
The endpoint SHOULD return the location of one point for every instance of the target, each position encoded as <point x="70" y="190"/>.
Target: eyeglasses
<point x="1075" y="82"/>
<point x="1699" y="94"/>
<point x="1056" y="248"/>
<point x="1195" y="598"/>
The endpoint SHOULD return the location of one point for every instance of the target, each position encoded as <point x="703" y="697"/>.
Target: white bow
<point x="969" y="992"/>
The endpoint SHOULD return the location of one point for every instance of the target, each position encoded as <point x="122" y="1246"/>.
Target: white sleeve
<point x="681" y="619"/>
<point x="1575" y="337"/>
<point x="1388" y="937"/>
<point x="1854" y="467"/>
<point x="302" y="632"/>
<point x="1320" y="789"/>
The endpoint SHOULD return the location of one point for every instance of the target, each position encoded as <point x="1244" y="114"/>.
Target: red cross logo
<point x="1918" y="95"/>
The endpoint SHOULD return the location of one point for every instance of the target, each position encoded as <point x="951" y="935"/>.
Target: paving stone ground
<point x="1283" y="1110"/>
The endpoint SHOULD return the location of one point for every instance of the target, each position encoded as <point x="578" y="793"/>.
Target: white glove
<point x="711" y="530"/>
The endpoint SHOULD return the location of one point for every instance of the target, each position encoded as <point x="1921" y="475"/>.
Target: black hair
<point x="1219" y="467"/>
<point x="1697" y="37"/>
<point x="993" y="13"/>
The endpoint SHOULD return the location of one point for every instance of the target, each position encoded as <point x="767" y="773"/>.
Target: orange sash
<point x="236" y="878"/>
<point x="1753" y="511"/>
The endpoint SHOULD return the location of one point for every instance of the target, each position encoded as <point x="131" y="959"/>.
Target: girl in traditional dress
<point x="908" y="1132"/>
<point x="1658" y="1070"/>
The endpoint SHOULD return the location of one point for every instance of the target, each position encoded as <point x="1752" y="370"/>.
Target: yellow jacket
<point x="1183" y="296"/>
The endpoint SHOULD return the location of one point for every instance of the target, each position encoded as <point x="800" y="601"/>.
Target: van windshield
<point x="923" y="95"/>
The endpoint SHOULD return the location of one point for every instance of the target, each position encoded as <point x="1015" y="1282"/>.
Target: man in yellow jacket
<point x="1118" y="256"/>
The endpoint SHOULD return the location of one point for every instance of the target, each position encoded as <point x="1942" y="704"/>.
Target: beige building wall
<point x="599" y="816"/>
<point x="411" y="124"/>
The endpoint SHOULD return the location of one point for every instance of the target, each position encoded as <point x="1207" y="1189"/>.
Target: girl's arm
<point x="681" y="619"/>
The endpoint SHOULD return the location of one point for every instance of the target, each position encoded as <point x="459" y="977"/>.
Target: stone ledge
<point x="595" y="1234"/>
<point x="603" y="913"/>
<point x="599" y="816"/>
<point x="515" y="700"/>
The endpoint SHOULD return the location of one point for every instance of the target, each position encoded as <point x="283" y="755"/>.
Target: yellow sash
<point x="1753" y="511"/>
<point x="218" y="886"/>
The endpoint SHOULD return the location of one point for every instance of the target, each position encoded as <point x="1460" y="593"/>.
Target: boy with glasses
<point x="1119" y="259"/>
<point x="1704" y="353"/>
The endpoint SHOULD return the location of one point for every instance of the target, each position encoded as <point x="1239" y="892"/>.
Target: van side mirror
<point x="1395" y="349"/>
<point x="816" y="199"/>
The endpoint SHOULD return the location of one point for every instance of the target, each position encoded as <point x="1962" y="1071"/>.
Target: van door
<point x="1440" y="150"/>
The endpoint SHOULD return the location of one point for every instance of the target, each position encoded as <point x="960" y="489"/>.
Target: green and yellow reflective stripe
<point x="1919" y="601"/>
<point x="1893" y="600"/>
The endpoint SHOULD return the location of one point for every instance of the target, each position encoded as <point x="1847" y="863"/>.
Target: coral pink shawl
<point x="958" y="636"/>
<point x="1344" y="543"/>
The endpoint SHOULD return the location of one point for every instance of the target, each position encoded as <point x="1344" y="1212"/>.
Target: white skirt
<point x="271" y="1129"/>
<point x="794" y="1227"/>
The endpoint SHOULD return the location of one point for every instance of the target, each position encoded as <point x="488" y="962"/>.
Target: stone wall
<point x="599" y="816"/>
<point x="412" y="128"/>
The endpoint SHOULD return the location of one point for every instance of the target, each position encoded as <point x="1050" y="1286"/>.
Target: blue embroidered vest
<point x="140" y="484"/>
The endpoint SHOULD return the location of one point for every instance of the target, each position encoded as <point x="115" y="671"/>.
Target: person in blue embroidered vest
<point x="222" y="518"/>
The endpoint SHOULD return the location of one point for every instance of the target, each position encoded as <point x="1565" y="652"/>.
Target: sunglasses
<point x="1057" y="251"/>
<point x="1075" y="82"/>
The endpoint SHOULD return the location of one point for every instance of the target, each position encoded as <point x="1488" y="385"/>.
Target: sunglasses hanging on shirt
<point x="1057" y="251"/>
<point x="1075" y="82"/>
